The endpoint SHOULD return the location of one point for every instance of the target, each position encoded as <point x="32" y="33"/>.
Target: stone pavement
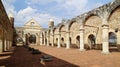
<point x="88" y="58"/>
<point x="21" y="57"/>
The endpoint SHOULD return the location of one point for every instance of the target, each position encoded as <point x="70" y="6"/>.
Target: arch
<point x="32" y="39"/>
<point x="78" y="41"/>
<point x="114" y="18"/>
<point x="91" y="41"/>
<point x="113" y="10"/>
<point x="60" y="27"/>
<point x="112" y="39"/>
<point x="70" y="24"/>
<point x="89" y="16"/>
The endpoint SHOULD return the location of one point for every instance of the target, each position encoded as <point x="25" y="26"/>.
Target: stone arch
<point x="92" y="25"/>
<point x="70" y="24"/>
<point x="114" y="23"/>
<point x="74" y="28"/>
<point x="78" y="41"/>
<point x="89" y="16"/>
<point x="60" y="27"/>
<point x="114" y="8"/>
<point x="91" y="41"/>
<point x="114" y="18"/>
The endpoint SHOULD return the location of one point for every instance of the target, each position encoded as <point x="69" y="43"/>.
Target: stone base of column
<point x="58" y="47"/>
<point x="82" y="50"/>
<point x="67" y="47"/>
<point x="105" y="52"/>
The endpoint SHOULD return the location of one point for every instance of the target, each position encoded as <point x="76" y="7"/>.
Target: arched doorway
<point x="62" y="42"/>
<point x="112" y="39"/>
<point x="78" y="41"/>
<point x="32" y="39"/>
<point x="91" y="41"/>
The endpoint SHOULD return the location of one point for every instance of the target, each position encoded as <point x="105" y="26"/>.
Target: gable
<point x="32" y="22"/>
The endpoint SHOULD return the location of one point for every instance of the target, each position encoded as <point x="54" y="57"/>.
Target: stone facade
<point x="6" y="29"/>
<point x="96" y="29"/>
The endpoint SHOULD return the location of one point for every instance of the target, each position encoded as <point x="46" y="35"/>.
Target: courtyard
<point x="62" y="57"/>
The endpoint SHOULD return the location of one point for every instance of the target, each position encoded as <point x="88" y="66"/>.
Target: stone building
<point x="29" y="33"/>
<point x="96" y="29"/>
<point x="6" y="29"/>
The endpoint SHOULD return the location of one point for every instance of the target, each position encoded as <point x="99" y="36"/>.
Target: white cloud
<point x="73" y="7"/>
<point x="42" y="2"/>
<point x="28" y="13"/>
<point x="8" y="6"/>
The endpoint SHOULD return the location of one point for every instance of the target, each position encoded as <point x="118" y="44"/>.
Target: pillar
<point x="5" y="45"/>
<point x="1" y="46"/>
<point x="41" y="38"/>
<point x="68" y="40"/>
<point x="105" y="39"/>
<point x="47" y="39"/>
<point x="44" y="39"/>
<point x="52" y="38"/>
<point x="82" y="40"/>
<point x="118" y="42"/>
<point x="59" y="38"/>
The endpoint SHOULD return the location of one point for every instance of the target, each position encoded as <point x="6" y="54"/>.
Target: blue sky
<point x="43" y="10"/>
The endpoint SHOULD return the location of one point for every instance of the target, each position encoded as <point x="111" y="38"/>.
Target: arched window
<point x="112" y="38"/>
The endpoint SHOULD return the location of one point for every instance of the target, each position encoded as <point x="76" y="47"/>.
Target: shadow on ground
<point x="21" y="57"/>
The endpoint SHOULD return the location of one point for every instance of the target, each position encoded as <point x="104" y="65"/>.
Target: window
<point x="32" y="23"/>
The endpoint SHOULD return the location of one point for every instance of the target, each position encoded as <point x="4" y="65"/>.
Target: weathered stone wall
<point x="6" y="28"/>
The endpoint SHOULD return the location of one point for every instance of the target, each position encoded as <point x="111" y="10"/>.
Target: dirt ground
<point x="22" y="57"/>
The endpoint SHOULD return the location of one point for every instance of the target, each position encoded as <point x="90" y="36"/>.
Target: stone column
<point x="5" y="45"/>
<point x="82" y="40"/>
<point x="47" y="39"/>
<point x="105" y="39"/>
<point x="44" y="39"/>
<point x="68" y="40"/>
<point x="1" y="46"/>
<point x="59" y="38"/>
<point x="41" y="39"/>
<point x="118" y="42"/>
<point x="52" y="38"/>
